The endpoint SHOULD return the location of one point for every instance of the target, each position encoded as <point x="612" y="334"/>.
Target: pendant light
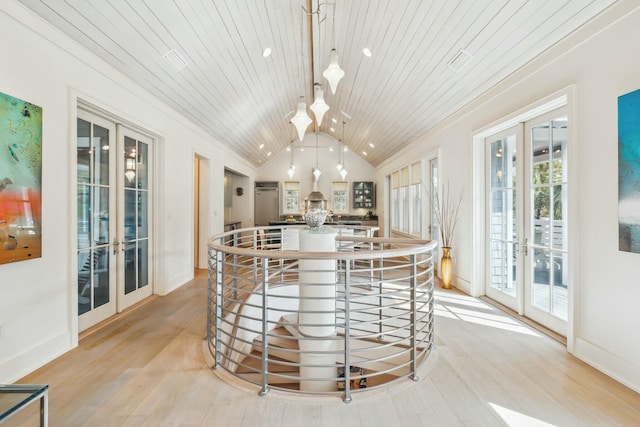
<point x="333" y="73"/>
<point x="316" y="170"/>
<point x="301" y="120"/>
<point x="319" y="107"/>
<point x="292" y="167"/>
<point x="343" y="169"/>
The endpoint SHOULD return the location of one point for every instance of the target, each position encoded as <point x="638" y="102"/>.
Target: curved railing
<point x="295" y="320"/>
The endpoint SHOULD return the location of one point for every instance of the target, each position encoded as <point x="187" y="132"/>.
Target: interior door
<point x="134" y="217"/>
<point x="96" y="225"/>
<point x="113" y="218"/>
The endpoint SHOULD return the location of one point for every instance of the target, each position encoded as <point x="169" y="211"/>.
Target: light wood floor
<point x="148" y="368"/>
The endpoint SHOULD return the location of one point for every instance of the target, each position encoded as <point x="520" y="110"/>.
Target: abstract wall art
<point x="20" y="180"/>
<point x="629" y="172"/>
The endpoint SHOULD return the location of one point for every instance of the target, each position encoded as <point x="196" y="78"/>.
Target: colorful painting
<point x="20" y="180"/>
<point x="629" y="172"/>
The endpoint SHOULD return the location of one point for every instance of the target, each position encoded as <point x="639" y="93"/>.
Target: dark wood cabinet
<point x="364" y="195"/>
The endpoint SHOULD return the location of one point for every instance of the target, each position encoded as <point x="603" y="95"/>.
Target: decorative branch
<point x="446" y="210"/>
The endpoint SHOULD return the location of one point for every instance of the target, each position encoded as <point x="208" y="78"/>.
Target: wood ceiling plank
<point x="242" y="99"/>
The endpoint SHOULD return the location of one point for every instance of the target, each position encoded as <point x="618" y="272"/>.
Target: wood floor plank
<point x="147" y="367"/>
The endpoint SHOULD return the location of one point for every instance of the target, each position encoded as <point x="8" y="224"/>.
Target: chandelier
<point x="333" y="74"/>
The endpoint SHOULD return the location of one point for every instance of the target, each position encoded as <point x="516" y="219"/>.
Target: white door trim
<point x="565" y="96"/>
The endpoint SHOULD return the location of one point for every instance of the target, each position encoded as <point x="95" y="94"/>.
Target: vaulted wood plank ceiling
<point x="244" y="100"/>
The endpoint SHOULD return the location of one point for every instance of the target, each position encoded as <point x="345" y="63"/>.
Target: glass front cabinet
<point x="364" y="195"/>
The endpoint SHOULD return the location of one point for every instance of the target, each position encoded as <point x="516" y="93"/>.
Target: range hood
<point x="315" y="199"/>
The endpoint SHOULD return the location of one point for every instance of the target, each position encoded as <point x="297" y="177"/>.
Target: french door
<point x="527" y="245"/>
<point x="113" y="218"/>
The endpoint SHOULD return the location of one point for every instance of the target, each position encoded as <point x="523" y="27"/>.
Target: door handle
<point x="115" y="246"/>
<point x="525" y="247"/>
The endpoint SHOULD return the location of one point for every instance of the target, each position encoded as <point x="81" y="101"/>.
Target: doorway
<point x="201" y="173"/>
<point x="114" y="218"/>
<point x="527" y="224"/>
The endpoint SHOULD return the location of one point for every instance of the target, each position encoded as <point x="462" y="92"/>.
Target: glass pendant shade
<point x="291" y="171"/>
<point x="319" y="107"/>
<point x="130" y="174"/>
<point x="333" y="73"/>
<point x="343" y="172"/>
<point x="317" y="173"/>
<point x="339" y="167"/>
<point x="301" y="120"/>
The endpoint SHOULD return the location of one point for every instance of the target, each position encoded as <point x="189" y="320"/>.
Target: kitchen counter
<point x="326" y="223"/>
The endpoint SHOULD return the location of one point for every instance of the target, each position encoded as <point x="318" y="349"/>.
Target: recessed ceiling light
<point x="175" y="59"/>
<point x="334" y="120"/>
<point x="332" y="129"/>
<point x="301" y="148"/>
<point x="269" y="154"/>
<point x="371" y="145"/>
<point x="364" y="152"/>
<point x="331" y="149"/>
<point x="345" y="148"/>
<point x="288" y="148"/>
<point x="366" y="52"/>
<point x="266" y="52"/>
<point x="261" y="146"/>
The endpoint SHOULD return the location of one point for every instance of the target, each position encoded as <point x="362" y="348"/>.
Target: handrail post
<point x="414" y="317"/>
<point x="210" y="285"/>
<point x="380" y="301"/>
<point x="255" y="260"/>
<point x="431" y="301"/>
<point x="219" y="302"/>
<point x="265" y="360"/>
<point x="347" y="334"/>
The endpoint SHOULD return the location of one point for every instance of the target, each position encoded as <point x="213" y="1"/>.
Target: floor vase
<point x="446" y="268"/>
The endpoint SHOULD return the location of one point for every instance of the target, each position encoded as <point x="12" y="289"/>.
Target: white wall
<point x="601" y="61"/>
<point x="38" y="304"/>
<point x="241" y="208"/>
<point x="357" y="168"/>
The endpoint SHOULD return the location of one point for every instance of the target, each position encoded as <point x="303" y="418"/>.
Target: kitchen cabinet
<point x="364" y="195"/>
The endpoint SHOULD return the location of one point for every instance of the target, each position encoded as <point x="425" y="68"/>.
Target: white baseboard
<point x="33" y="358"/>
<point x="617" y="368"/>
<point x="175" y="282"/>
<point x="462" y="284"/>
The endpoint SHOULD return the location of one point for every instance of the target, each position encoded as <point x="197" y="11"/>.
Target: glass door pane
<point x="503" y="213"/>
<point x="548" y="290"/>
<point x="135" y="218"/>
<point x="503" y="221"/>
<point x="95" y="290"/>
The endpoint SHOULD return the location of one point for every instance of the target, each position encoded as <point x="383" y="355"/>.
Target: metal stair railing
<point x="383" y="311"/>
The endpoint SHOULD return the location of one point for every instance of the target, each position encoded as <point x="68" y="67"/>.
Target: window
<point x="291" y="197"/>
<point x="416" y="199"/>
<point x="406" y="199"/>
<point x="395" y="200"/>
<point x="340" y="196"/>
<point x="405" y="207"/>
